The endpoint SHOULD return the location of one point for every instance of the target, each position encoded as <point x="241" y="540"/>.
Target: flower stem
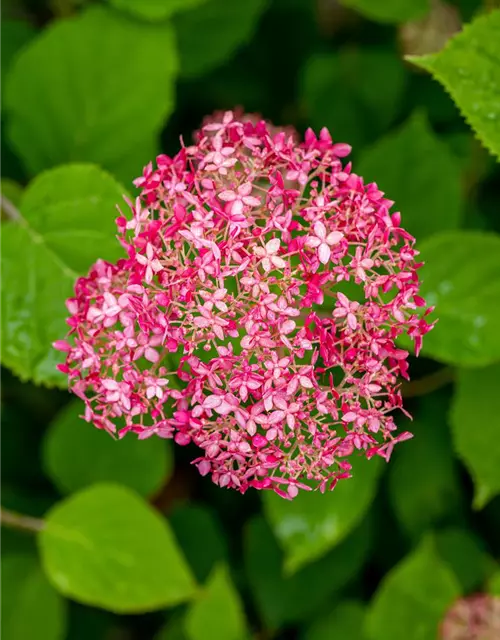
<point x="20" y="522"/>
<point x="10" y="210"/>
<point x="428" y="384"/>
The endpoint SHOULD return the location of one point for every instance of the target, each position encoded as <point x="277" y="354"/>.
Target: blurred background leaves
<point x="95" y="89"/>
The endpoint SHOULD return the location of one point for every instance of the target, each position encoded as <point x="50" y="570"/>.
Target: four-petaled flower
<point x="348" y="309"/>
<point x="150" y="261"/>
<point x="238" y="199"/>
<point x="269" y="255"/>
<point x="323" y="241"/>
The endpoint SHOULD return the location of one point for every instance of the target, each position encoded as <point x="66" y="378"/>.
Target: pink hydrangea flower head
<point x="255" y="312"/>
<point x="475" y="617"/>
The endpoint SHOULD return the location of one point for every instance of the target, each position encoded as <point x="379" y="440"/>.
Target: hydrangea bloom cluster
<point x="255" y="312"/>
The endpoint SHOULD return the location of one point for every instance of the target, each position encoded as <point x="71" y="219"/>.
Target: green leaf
<point x="187" y="522"/>
<point x="389" y="10"/>
<point x="469" y="69"/>
<point x="494" y="584"/>
<point x="173" y="629"/>
<point x="360" y="110"/>
<point x="13" y="192"/>
<point x="131" y="165"/>
<point x="435" y="497"/>
<point x="218" y="611"/>
<point x="30" y="606"/>
<point x="105" y="547"/>
<point x="15" y="35"/>
<point x="313" y="523"/>
<point x="461" y="278"/>
<point x="466" y="556"/>
<point x="67" y="222"/>
<point x="283" y="599"/>
<point x="211" y="33"/>
<point x="101" y="83"/>
<point x="416" y="170"/>
<point x="475" y="424"/>
<point x="155" y="9"/>
<point x="413" y="597"/>
<point x="346" y="620"/>
<point x="76" y="455"/>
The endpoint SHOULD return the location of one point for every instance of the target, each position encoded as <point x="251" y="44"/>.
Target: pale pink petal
<point x="324" y="253"/>
<point x="320" y="230"/>
<point x="273" y="246"/>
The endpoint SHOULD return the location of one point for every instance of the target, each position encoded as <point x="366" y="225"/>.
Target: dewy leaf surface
<point x="107" y="548"/>
<point x="286" y="599"/>
<point x="311" y="524"/>
<point x="210" y="34"/>
<point x="418" y="171"/>
<point x="67" y="222"/>
<point x="469" y="69"/>
<point x="102" y="84"/>
<point x="218" y="611"/>
<point x="15" y="35"/>
<point x="475" y="421"/>
<point x="360" y="111"/>
<point x="413" y="597"/>
<point x="70" y="443"/>
<point x="461" y="278"/>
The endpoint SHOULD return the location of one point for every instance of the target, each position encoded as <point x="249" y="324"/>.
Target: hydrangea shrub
<point x="249" y="320"/>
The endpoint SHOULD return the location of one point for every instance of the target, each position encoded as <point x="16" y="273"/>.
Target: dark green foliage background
<point x="134" y="544"/>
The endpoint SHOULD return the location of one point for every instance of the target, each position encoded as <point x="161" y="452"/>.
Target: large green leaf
<point x="405" y="165"/>
<point x="107" y="548"/>
<point x="187" y="521"/>
<point x="469" y="69"/>
<point x="211" y="33"/>
<point x="71" y="443"/>
<point x="466" y="555"/>
<point x="30" y="606"/>
<point x="390" y="10"/>
<point x="311" y="524"/>
<point x="218" y="611"/>
<point x="155" y="9"/>
<point x="413" y="597"/>
<point x="66" y="223"/>
<point x="475" y="424"/>
<point x="345" y="621"/>
<point x="435" y="497"/>
<point x="359" y="111"/>
<point x="461" y="277"/>
<point x="102" y="84"/>
<point x="15" y="35"/>
<point x="13" y="192"/>
<point x="283" y="599"/>
<point x="132" y="164"/>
